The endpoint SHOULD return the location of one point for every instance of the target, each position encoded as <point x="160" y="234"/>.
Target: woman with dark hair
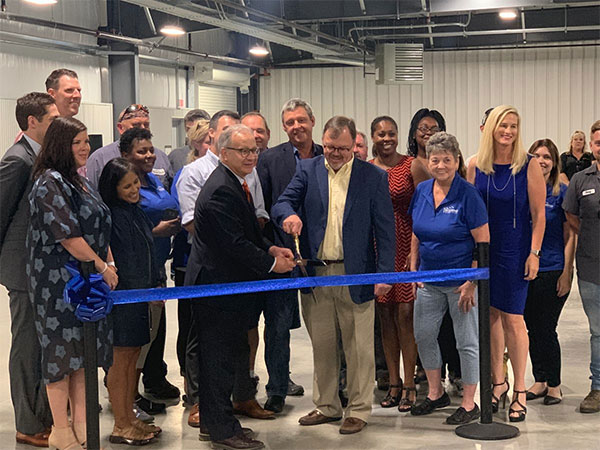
<point x="69" y="223"/>
<point x="133" y="245"/>
<point x="395" y="309"/>
<point x="163" y="211"/>
<point x="548" y="293"/>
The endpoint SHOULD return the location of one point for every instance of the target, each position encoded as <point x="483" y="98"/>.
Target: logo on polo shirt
<point x="159" y="172"/>
<point x="450" y="210"/>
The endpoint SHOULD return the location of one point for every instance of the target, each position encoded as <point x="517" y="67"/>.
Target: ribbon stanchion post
<point x="89" y="294"/>
<point x="486" y="429"/>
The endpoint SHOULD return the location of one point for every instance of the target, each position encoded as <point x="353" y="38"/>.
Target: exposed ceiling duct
<point x="219" y="18"/>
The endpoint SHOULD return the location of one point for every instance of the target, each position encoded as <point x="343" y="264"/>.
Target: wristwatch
<point x="537" y="253"/>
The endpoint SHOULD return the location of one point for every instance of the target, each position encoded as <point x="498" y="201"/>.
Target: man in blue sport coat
<point x="341" y="208"/>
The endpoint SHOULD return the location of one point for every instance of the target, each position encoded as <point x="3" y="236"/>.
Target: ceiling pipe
<point x="285" y="22"/>
<point x="418" y="14"/>
<point x="150" y="19"/>
<point x="410" y="27"/>
<point x="465" y="33"/>
<point x="115" y="37"/>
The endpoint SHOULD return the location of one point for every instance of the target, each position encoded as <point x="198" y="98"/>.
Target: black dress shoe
<point x="275" y="403"/>
<point x="238" y="442"/>
<point x="428" y="405"/>
<point x="150" y="407"/>
<point x="294" y="389"/>
<point x="163" y="391"/>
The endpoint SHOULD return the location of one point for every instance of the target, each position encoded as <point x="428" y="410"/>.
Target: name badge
<point x="158" y="172"/>
<point x="588" y="192"/>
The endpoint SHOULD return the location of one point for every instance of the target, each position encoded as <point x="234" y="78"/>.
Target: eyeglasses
<point x="245" y="152"/>
<point x="133" y="108"/>
<point x="426" y="130"/>
<point x="332" y="149"/>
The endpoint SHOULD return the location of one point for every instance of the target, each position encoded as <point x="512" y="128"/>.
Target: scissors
<point x="302" y="263"/>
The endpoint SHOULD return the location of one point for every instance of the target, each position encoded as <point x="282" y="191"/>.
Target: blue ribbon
<point x="214" y="290"/>
<point x="91" y="297"/>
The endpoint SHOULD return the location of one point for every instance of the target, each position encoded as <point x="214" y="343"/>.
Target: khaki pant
<point x="334" y="314"/>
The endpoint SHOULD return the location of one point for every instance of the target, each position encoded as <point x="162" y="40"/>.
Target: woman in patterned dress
<point x="69" y="223"/>
<point x="395" y="309"/>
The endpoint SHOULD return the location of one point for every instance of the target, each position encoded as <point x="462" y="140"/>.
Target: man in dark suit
<point x="228" y="246"/>
<point x="341" y="208"/>
<point x="35" y="112"/>
<point x="276" y="167"/>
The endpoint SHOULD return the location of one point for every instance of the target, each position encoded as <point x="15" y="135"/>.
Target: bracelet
<point x="105" y="268"/>
<point x="111" y="263"/>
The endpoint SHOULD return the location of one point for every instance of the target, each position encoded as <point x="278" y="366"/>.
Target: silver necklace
<point x="500" y="190"/>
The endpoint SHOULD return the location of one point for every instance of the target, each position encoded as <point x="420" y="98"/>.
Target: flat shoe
<point x="532" y="395"/>
<point x="428" y="405"/>
<point x="461" y="416"/>
<point x="551" y="400"/>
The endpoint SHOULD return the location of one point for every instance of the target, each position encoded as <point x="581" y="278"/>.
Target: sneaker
<point x="428" y="405"/>
<point x="591" y="404"/>
<point x="461" y="416"/>
<point x="141" y="414"/>
<point x="163" y="391"/>
<point x="149" y="407"/>
<point x="294" y="389"/>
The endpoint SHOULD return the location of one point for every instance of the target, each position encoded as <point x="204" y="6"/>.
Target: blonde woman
<point x="199" y="140"/>
<point x="576" y="159"/>
<point x="514" y="191"/>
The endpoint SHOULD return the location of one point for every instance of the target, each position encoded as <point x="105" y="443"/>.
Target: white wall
<point x="555" y="90"/>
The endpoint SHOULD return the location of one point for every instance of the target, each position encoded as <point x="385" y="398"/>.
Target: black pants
<point x="542" y="311"/>
<point x="224" y="361"/>
<point x="155" y="367"/>
<point x="187" y="343"/>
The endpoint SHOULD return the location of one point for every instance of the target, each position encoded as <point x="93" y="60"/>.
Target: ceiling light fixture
<point x="42" y="2"/>
<point x="508" y="15"/>
<point x="259" y="50"/>
<point x="172" y="30"/>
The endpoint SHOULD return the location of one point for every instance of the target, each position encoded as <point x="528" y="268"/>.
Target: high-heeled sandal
<point x="521" y="413"/>
<point x="496" y="400"/>
<point x="406" y="403"/>
<point x="390" y="401"/>
<point x="63" y="439"/>
<point x="130" y="436"/>
<point x="147" y="427"/>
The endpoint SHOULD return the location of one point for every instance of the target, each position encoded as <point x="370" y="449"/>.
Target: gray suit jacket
<point x="15" y="186"/>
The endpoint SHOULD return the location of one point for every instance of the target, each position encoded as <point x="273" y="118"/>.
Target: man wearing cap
<point x="133" y="116"/>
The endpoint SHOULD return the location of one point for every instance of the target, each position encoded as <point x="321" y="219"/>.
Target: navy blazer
<point x="276" y="167"/>
<point x="368" y="217"/>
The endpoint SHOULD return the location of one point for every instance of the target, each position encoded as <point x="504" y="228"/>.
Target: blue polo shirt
<point x="553" y="246"/>
<point x="444" y="233"/>
<point x="154" y="200"/>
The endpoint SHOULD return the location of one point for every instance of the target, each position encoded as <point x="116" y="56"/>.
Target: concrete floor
<point x="546" y="427"/>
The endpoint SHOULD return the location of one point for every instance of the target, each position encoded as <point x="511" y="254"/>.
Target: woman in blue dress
<point x="514" y="191"/>
<point x="163" y="211"/>
<point x="69" y="223"/>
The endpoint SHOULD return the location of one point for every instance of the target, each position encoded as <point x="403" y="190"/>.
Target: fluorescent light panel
<point x="508" y="15"/>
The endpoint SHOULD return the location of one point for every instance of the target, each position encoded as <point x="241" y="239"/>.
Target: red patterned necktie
<point x="247" y="191"/>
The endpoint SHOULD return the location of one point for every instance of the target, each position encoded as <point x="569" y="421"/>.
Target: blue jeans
<point x="281" y="313"/>
<point x="430" y="307"/>
<point x="590" y="297"/>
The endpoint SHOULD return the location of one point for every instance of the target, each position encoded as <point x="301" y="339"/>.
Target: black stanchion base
<point x="487" y="431"/>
